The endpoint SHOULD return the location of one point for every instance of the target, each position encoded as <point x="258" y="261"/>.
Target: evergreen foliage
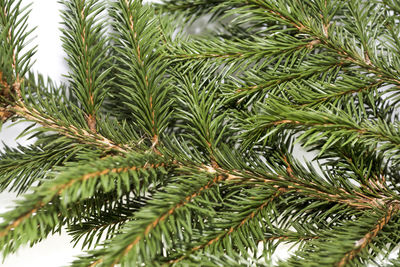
<point x="174" y="149"/>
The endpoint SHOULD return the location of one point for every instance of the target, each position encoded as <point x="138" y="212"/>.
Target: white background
<point x="55" y="251"/>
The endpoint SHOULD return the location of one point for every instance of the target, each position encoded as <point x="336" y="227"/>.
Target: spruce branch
<point x="71" y="131"/>
<point x="331" y="128"/>
<point x="141" y="77"/>
<point x="367" y="238"/>
<point x="71" y="186"/>
<point x="168" y="148"/>
<point x="13" y="63"/>
<point x="127" y="247"/>
<point x="232" y="230"/>
<point x="84" y="41"/>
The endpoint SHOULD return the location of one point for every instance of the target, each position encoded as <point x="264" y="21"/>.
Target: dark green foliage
<point x="171" y="149"/>
<point x="85" y="43"/>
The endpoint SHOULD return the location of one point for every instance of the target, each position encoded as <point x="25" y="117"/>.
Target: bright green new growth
<point x="172" y="149"/>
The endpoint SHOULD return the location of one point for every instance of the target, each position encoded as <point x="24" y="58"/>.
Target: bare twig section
<point x="8" y="94"/>
<point x="91" y="120"/>
<point x="367" y="238"/>
<point x="5" y="114"/>
<point x="17" y="88"/>
<point x="5" y="88"/>
<point x="313" y="43"/>
<point x="70" y="131"/>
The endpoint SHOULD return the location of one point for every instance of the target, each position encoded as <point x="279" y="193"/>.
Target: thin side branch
<point x="367" y="238"/>
<point x="70" y="131"/>
<point x="229" y="231"/>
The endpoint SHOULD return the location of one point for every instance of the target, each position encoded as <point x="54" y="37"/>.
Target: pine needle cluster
<point x="165" y="148"/>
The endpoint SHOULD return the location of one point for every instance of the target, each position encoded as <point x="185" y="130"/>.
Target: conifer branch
<point x="13" y="63"/>
<point x="392" y="210"/>
<point x="84" y="42"/>
<point x="232" y="229"/>
<point x="276" y="80"/>
<point x="146" y="229"/>
<point x="334" y="96"/>
<point x="142" y="77"/>
<point x="64" y="189"/>
<point x="295" y="237"/>
<point x="203" y="131"/>
<point x="325" y="39"/>
<point x="294" y="184"/>
<point x="70" y="131"/>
